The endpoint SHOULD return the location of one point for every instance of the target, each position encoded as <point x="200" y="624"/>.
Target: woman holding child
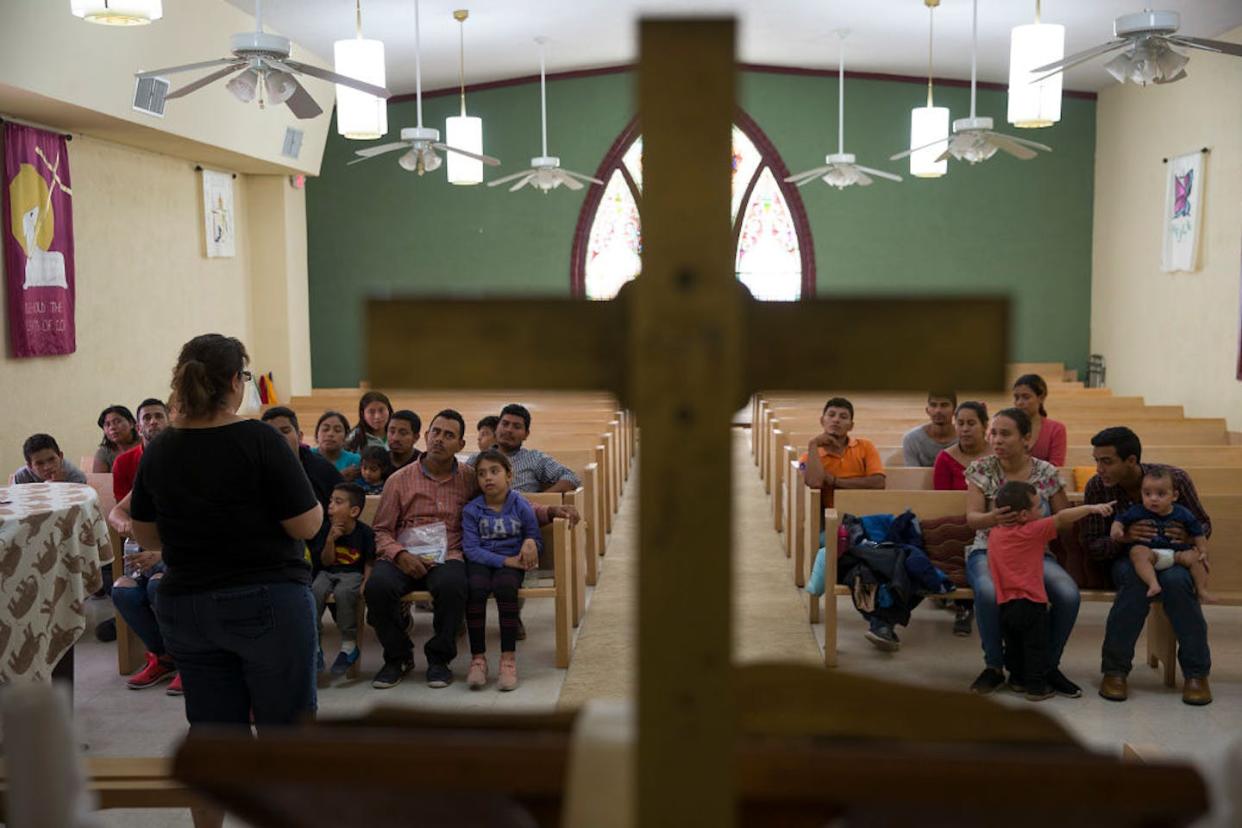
<point x="231" y="508"/>
<point x="1009" y="436"/>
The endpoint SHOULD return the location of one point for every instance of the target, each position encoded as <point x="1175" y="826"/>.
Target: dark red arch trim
<point x="771" y="158"/>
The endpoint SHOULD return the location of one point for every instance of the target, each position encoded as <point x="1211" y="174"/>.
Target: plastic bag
<point x="428" y="541"/>
<point x="250" y="404"/>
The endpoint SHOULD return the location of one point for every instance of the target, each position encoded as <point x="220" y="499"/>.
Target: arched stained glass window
<point x="774" y="257"/>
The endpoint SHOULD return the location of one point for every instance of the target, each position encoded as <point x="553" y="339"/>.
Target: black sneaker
<point x="1062" y="686"/>
<point x="439" y="675"/>
<point x="1039" y="692"/>
<point x="390" y="674"/>
<point x="883" y="637"/>
<point x="106" y="630"/>
<point x="962" y="622"/>
<point x="989" y="681"/>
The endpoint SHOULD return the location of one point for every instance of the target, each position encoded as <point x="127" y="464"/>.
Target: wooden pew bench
<point x="1225" y="547"/>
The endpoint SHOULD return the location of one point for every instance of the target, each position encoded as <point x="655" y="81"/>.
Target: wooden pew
<point x="1225" y="548"/>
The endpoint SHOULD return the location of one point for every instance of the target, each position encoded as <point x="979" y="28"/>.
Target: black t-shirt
<point x="217" y="496"/>
<point x="353" y="551"/>
<point x="323" y="478"/>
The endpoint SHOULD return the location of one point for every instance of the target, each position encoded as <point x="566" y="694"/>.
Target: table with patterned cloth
<point x="52" y="541"/>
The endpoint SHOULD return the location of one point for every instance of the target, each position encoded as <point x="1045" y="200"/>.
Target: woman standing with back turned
<point x="231" y="508"/>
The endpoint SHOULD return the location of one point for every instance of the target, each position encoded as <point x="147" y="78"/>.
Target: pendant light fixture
<point x="360" y="116"/>
<point x="1035" y="104"/>
<point x="465" y="131"/>
<point x="929" y="125"/>
<point x="117" y="12"/>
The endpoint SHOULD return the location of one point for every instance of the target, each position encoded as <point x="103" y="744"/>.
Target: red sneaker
<point x="175" y="689"/>
<point x="157" y="670"/>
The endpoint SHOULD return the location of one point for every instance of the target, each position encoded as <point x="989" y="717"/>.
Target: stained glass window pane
<point x="633" y="160"/>
<point x="615" y="243"/>
<point x="768" y="261"/>
<point x="746" y="160"/>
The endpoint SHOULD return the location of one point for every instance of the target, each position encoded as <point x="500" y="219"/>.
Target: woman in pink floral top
<point x="1049" y="441"/>
<point x="1009" y="436"/>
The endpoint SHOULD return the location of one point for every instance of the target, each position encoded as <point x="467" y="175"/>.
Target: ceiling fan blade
<point x="194" y="86"/>
<point x="913" y="150"/>
<point x="1004" y="142"/>
<point x="371" y="152"/>
<point x="1207" y="45"/>
<point x="1070" y="61"/>
<point x="333" y="77"/>
<point x="530" y="176"/>
<point x="890" y="176"/>
<point x="582" y="177"/>
<point x="301" y="104"/>
<point x="1026" y="142"/>
<point x="506" y="179"/>
<point x="486" y="159"/>
<point x="797" y="178"/>
<point x="172" y="70"/>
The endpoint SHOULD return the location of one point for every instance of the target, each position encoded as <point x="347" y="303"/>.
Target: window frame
<point x="769" y="159"/>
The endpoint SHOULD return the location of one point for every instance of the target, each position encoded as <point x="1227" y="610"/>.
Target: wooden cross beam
<point x="684" y="346"/>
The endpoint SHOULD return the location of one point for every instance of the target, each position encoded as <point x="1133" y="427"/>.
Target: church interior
<point x="720" y="343"/>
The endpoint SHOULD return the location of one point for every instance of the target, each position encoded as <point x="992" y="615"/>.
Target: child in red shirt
<point x="1016" y="560"/>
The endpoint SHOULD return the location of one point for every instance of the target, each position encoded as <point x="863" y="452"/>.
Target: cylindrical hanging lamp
<point x="463" y="131"/>
<point x="118" y="12"/>
<point x="360" y="116"/>
<point x="929" y="125"/>
<point x="1033" y="105"/>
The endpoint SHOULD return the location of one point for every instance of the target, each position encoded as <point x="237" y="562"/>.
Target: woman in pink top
<point x="949" y="471"/>
<point x="1048" y="438"/>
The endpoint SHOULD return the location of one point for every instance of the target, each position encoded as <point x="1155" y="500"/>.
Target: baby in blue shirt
<point x="501" y="541"/>
<point x="1160" y="507"/>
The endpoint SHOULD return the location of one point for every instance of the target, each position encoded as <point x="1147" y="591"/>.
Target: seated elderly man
<point x="46" y="463"/>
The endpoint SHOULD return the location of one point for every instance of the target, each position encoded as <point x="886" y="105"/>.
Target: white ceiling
<point x="887" y="35"/>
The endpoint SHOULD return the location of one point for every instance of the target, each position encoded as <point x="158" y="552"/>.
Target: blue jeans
<point x="136" y="605"/>
<point x="1062" y="592"/>
<point x="1129" y="612"/>
<point x="242" y="649"/>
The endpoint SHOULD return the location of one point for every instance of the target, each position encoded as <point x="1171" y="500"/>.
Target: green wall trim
<point x="1021" y="228"/>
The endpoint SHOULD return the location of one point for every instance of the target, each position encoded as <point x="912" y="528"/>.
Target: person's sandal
<point x="476" y="676"/>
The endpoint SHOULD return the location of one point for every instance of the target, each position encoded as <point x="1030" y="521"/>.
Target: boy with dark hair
<point x="374" y="469"/>
<point x="346" y="558"/>
<point x="46" y="463"/>
<point x="1016" y="561"/>
<point x="487" y="432"/>
<point x="1160" y="506"/>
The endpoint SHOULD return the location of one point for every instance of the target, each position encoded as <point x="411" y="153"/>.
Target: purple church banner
<point x="38" y="242"/>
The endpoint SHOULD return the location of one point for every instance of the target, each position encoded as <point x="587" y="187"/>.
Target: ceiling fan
<point x="1147" y="37"/>
<point x="419" y="142"/>
<point x="973" y="139"/>
<point x="545" y="172"/>
<point x="841" y="171"/>
<point x="265" y="72"/>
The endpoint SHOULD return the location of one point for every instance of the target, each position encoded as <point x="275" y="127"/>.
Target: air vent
<point x="149" y="94"/>
<point x="293" y="143"/>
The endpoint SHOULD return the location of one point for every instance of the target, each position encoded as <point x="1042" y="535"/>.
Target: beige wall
<point x="1171" y="337"/>
<point x="144" y="287"/>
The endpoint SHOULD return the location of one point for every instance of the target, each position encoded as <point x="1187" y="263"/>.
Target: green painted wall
<point x="1004" y="226"/>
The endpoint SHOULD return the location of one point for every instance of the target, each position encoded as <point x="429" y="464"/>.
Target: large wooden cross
<point x="684" y="346"/>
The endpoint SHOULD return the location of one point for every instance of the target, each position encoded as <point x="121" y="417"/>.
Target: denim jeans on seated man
<point x="242" y="649"/>
<point x="1062" y="593"/>
<point x="1129" y="613"/>
<point x="136" y="605"/>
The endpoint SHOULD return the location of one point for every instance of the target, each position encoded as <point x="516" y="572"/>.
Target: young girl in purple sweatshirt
<point x="501" y="541"/>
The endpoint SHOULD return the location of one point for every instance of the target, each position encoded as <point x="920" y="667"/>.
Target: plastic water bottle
<point x="130" y="553"/>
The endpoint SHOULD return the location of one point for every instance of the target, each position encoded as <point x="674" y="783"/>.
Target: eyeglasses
<point x="245" y="375"/>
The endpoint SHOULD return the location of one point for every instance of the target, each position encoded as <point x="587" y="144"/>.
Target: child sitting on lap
<point x="501" y="541"/>
<point x="347" y="556"/>
<point x="375" y="467"/>
<point x="1149" y="557"/>
<point x="1016" y="560"/>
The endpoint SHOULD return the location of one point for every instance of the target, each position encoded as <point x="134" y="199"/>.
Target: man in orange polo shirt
<point x="845" y="462"/>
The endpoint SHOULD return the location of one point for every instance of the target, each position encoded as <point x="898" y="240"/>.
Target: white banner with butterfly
<point x="1183" y="205"/>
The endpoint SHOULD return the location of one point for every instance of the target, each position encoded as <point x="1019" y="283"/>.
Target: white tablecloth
<point x="52" y="541"/>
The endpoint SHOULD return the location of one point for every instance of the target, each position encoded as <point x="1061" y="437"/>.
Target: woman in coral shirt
<point x="1048" y="438"/>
